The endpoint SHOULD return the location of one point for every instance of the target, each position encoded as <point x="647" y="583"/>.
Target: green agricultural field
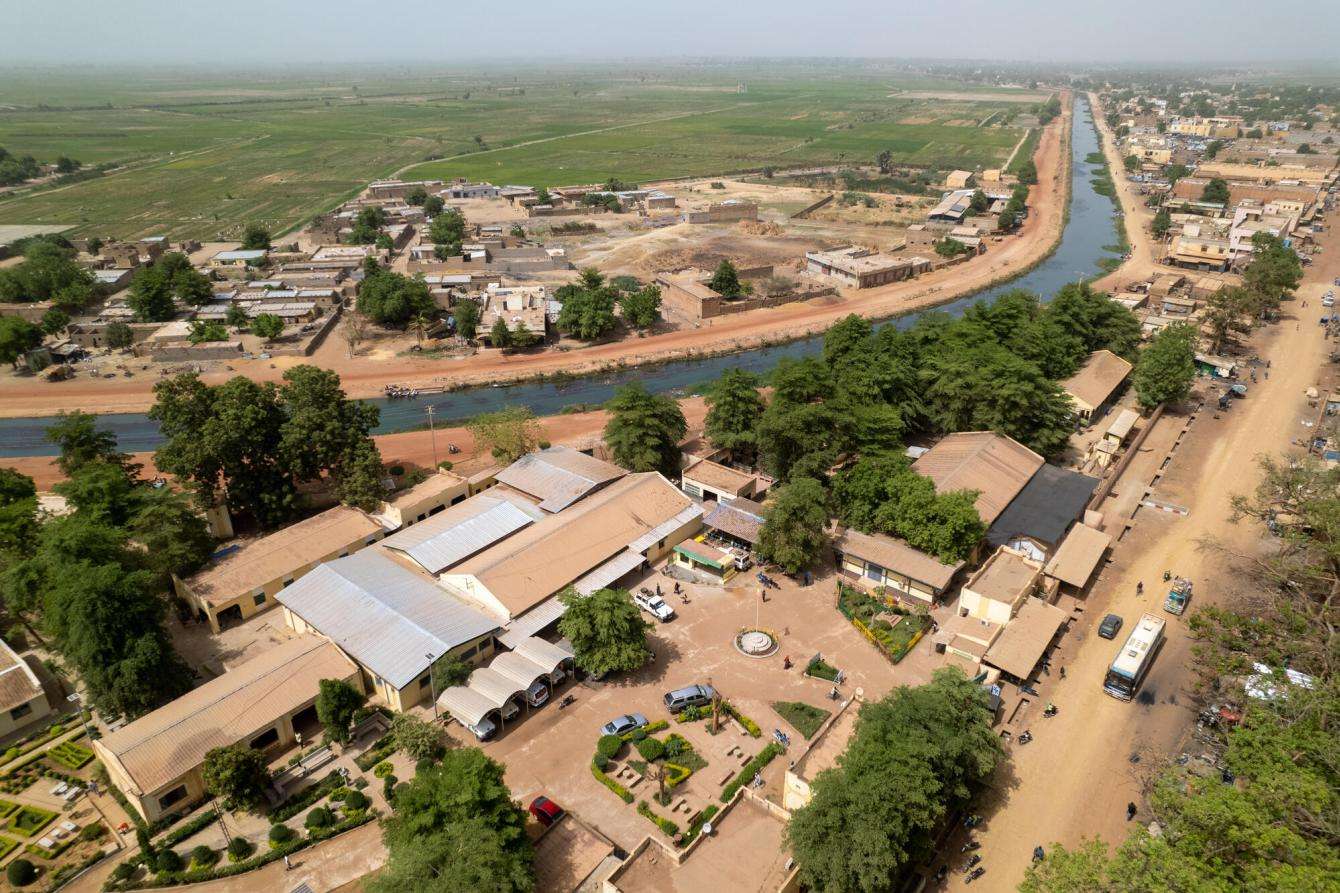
<point x="200" y="158"/>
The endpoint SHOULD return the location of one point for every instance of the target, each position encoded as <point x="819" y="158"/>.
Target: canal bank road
<point x="1089" y="227"/>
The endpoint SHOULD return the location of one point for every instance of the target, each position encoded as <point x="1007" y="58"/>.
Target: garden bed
<point x="804" y="718"/>
<point x="821" y="669"/>
<point x="29" y="820"/>
<point x="70" y="755"/>
<point x="868" y="613"/>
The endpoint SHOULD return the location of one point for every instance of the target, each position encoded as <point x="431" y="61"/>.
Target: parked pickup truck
<point x="1178" y="596"/>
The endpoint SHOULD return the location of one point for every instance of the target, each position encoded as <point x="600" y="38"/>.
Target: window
<point x="344" y="554"/>
<point x="426" y="680"/>
<point x="21" y="711"/>
<point x="469" y="652"/>
<point x="258" y="598"/>
<point x="176" y="795"/>
<point x="288" y="582"/>
<point x="265" y="739"/>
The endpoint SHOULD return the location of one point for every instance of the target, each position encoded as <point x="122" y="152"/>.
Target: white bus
<point x="1132" y="662"/>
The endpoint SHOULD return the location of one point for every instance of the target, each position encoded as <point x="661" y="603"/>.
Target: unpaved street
<point x="1075" y="779"/>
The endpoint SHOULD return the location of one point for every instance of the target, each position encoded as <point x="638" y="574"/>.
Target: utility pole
<point x="432" y="432"/>
<point x="432" y="661"/>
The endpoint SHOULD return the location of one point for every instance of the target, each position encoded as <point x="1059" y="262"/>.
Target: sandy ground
<point x="1076" y="778"/>
<point x="365" y="377"/>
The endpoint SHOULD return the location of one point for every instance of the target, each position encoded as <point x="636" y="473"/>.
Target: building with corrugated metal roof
<point x="394" y="623"/>
<point x="157" y="760"/>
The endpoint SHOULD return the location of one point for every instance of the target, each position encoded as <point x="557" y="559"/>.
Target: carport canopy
<point x="545" y="654"/>
<point x="1079" y="554"/>
<point x="495" y="687"/>
<point x="520" y="670"/>
<point x="466" y="705"/>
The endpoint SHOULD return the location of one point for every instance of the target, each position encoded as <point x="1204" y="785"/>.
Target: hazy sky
<point x="247" y="31"/>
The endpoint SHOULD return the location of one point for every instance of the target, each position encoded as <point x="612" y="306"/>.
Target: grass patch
<point x="30" y="819"/>
<point x="821" y="669"/>
<point x="668" y="828"/>
<point x="696" y="826"/>
<point x="804" y="718"/>
<point x="753" y="767"/>
<point x="71" y="755"/>
<point x="6" y="807"/>
<point x="7" y="845"/>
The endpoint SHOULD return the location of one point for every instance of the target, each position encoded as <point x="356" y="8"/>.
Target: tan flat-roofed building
<point x="705" y="479"/>
<point x="1023" y="641"/>
<point x="864" y="267"/>
<point x="244" y="582"/>
<point x="1078" y="555"/>
<point x="23" y="701"/>
<point x="157" y="760"/>
<point x="1096" y="381"/>
<point x="1000" y="585"/>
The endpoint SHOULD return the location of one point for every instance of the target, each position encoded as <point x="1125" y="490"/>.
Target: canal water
<point x="1089" y="228"/>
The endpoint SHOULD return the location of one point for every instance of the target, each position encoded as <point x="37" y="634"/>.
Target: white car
<point x="654" y="605"/>
<point x="1328" y="302"/>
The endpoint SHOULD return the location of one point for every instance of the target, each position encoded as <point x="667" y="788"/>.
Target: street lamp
<point x="432" y="682"/>
<point x="432" y="432"/>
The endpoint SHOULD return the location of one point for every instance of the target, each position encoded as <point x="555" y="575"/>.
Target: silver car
<point x="622" y="725"/>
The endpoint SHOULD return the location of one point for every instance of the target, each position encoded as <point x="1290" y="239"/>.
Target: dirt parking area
<point x="549" y="752"/>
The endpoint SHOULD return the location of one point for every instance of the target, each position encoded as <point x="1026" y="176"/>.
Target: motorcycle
<point x="1025" y="737"/>
<point x="972" y="821"/>
<point x="975" y="875"/>
<point x="970" y="845"/>
<point x="567" y="701"/>
<point x="976" y="857"/>
<point x="1050" y="710"/>
<point x="781" y="737"/>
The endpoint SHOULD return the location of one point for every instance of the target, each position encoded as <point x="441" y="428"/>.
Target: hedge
<point x="765" y="756"/>
<point x="619" y="790"/>
<point x="749" y="725"/>
<point x="676" y="775"/>
<point x="659" y="725"/>
<point x="173" y="879"/>
<point x="297" y="804"/>
<point x="195" y="825"/>
<point x="669" y="828"/>
<point x="609" y="745"/>
<point x="696" y="826"/>
<point x="380" y="750"/>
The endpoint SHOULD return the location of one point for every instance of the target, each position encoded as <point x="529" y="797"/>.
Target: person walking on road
<point x="1130" y="811"/>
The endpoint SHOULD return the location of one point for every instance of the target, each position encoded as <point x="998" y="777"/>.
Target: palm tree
<point x="420" y="324"/>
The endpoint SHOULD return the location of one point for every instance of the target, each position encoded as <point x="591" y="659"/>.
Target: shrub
<point x="203" y="856"/>
<point x="123" y="871"/>
<point x="319" y="818"/>
<point x="388" y="788"/>
<point x="383" y="769"/>
<point x="92" y="832"/>
<point x="750" y="769"/>
<point x="446" y="465"/>
<point x="601" y="762"/>
<point x="669" y="828"/>
<point x="749" y="725"/>
<point x="639" y="734"/>
<point x="280" y="834"/>
<point x="651" y="749"/>
<point x="609" y="746"/>
<point x="621" y="791"/>
<point x="397" y="470"/>
<point x="21" y="872"/>
<point x="696" y="825"/>
<point x="167" y="862"/>
<point x="355" y="802"/>
<point x="239" y="848"/>
<point x="338" y="795"/>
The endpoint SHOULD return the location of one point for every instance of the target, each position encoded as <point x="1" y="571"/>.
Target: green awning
<point x="699" y="557"/>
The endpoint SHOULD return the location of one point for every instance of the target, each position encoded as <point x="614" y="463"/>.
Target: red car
<point x="546" y="811"/>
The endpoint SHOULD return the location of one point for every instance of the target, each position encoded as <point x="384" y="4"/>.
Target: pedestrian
<point x="808" y="578"/>
<point x="658" y="590"/>
<point x="1130" y="811"/>
<point x="1063" y="672"/>
<point x="1140" y="588"/>
<point x="288" y="866"/>
<point x="786" y="662"/>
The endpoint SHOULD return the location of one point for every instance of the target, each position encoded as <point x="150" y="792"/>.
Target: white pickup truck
<point x="654" y="605"/>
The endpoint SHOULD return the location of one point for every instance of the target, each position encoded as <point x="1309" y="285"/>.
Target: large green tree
<point x="644" y="430"/>
<point x="641" y="307"/>
<point x="734" y="407"/>
<point x="1167" y="367"/>
<point x="456" y="829"/>
<point x="391" y="299"/>
<point x="794" y="531"/>
<point x="606" y="630"/>
<point x="48" y="273"/>
<point x="588" y="306"/>
<point x="336" y="703"/>
<point x="1274" y="272"/>
<point x="882" y="494"/>
<point x="81" y="441"/>
<point x="507" y="434"/>
<point x="916" y="756"/>
<point x="237" y="775"/>
<point x="17" y="337"/>
<point x="18" y="512"/>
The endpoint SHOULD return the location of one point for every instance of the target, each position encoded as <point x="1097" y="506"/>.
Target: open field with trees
<point x="199" y="157"/>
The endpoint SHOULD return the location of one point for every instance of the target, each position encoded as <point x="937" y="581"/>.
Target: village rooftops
<point x="741" y="518"/>
<point x="1078" y="555"/>
<point x="163" y="745"/>
<point x="18" y="683"/>
<point x="242" y="255"/>
<point x="1049" y="503"/>
<point x="1102" y="373"/>
<point x="720" y="477"/>
<point x="390" y="619"/>
<point x="259" y="561"/>
<point x="558" y="476"/>
<point x="998" y="467"/>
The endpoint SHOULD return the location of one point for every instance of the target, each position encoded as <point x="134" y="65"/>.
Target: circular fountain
<point x="755" y="642"/>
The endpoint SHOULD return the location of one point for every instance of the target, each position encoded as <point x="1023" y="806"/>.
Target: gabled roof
<point x="1102" y="373"/>
<point x="897" y="556"/>
<point x="998" y="467"/>
<point x="164" y="745"/>
<point x="18" y="683"/>
<point x="1050" y="502"/>
<point x="558" y="476"/>
<point x="1078" y="555"/>
<point x="735" y="519"/>
<point x="533" y="564"/>
<point x="391" y="620"/>
<point x="461" y="530"/>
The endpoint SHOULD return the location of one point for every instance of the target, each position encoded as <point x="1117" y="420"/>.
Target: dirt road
<point x="365" y="376"/>
<point x="1076" y="778"/>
